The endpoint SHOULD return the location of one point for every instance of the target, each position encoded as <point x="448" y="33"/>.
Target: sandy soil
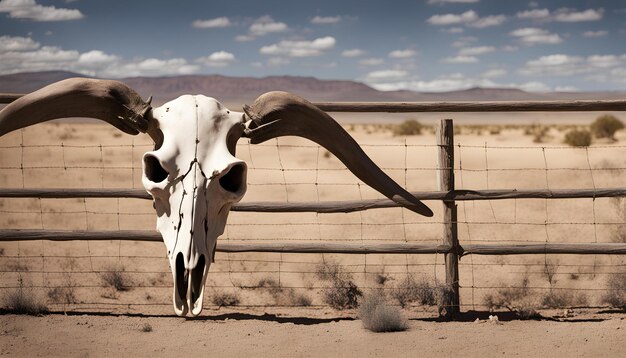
<point x="270" y="335"/>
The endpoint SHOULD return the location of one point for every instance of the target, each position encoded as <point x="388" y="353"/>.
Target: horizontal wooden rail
<point x="331" y="206"/>
<point x="475" y="106"/>
<point x="484" y="106"/>
<point x="327" y="247"/>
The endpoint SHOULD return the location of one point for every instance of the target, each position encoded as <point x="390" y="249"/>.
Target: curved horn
<point x="276" y="114"/>
<point x="110" y="101"/>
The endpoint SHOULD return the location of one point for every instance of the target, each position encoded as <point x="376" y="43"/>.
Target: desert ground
<point x="104" y="295"/>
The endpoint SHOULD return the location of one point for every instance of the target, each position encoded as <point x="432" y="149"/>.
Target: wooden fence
<point x="450" y="245"/>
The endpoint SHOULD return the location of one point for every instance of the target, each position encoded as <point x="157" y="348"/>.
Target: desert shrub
<point x="378" y="316"/>
<point x="342" y="293"/>
<point x="605" y="126"/>
<point x="283" y="296"/>
<point x="563" y="298"/>
<point x="24" y="301"/>
<point x="515" y="299"/>
<point x="411" y="290"/>
<point x="381" y="279"/>
<point x="615" y="295"/>
<point x="116" y="278"/>
<point x="224" y="299"/>
<point x="578" y="138"/>
<point x="147" y="327"/>
<point x="62" y="295"/>
<point x="408" y="127"/>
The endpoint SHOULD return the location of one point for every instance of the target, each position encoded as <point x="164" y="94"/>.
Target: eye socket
<point x="234" y="179"/>
<point x="153" y="169"/>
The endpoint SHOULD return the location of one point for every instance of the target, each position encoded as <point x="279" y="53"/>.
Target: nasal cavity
<point x="153" y="169"/>
<point x="234" y="179"/>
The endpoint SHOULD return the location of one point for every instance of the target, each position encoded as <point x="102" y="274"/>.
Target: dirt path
<point x="235" y="335"/>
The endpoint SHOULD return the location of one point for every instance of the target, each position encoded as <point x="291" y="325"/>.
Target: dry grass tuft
<point x="516" y="299"/>
<point x="408" y="127"/>
<point x="616" y="292"/>
<point x="378" y="316"/>
<point x="225" y="299"/>
<point x="116" y="278"/>
<point x="342" y="293"/>
<point x="24" y="301"/>
<point x="147" y="327"/>
<point x="563" y="299"/>
<point x="411" y="290"/>
<point x="283" y="296"/>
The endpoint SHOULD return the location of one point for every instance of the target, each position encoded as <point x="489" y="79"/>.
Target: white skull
<point x="194" y="179"/>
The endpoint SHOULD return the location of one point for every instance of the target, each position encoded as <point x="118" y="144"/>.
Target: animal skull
<point x="194" y="179"/>
<point x="193" y="174"/>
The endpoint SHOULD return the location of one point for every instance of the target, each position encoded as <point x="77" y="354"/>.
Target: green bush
<point x="578" y="138"/>
<point x="605" y="126"/>
<point x="408" y="127"/>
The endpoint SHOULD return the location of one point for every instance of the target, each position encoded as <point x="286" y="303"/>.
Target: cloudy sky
<point x="422" y="45"/>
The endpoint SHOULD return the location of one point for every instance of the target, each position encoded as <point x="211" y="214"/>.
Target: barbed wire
<point x="479" y="165"/>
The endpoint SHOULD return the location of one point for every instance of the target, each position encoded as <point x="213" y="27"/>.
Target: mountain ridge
<point x="230" y="89"/>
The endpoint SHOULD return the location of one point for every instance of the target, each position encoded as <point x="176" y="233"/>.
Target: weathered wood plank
<point x="547" y="248"/>
<point x="330" y="206"/>
<point x="460" y="106"/>
<point x="475" y="106"/>
<point x="445" y="174"/>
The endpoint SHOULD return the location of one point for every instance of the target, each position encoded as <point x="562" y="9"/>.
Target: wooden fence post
<point x="445" y="144"/>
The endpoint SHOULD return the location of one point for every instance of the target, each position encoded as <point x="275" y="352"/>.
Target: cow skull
<point x="193" y="174"/>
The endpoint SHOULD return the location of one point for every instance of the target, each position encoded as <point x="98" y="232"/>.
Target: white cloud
<point x="17" y="43"/>
<point x="451" y="19"/>
<point x="570" y="15"/>
<point x="96" y="59"/>
<point x="460" y="59"/>
<point x="278" y="61"/>
<point x="355" y="52"/>
<point x="217" y="59"/>
<point x="25" y="54"/>
<point x="455" y="30"/>
<point x="599" y="33"/>
<point x="473" y="51"/>
<point x="453" y="1"/>
<point x="469" y="18"/>
<point x="402" y="53"/>
<point x="371" y="62"/>
<point x="488" y="21"/>
<point x="266" y="25"/>
<point x="300" y="48"/>
<point x="29" y="9"/>
<point x="154" y="67"/>
<point x="212" y="23"/>
<point x="450" y="82"/>
<point x="566" y="89"/>
<point x="322" y="20"/>
<point x="386" y="75"/>
<point x="244" y="38"/>
<point x="533" y="35"/>
<point x="464" y="41"/>
<point x="534" y="14"/>
<point x="494" y="73"/>
<point x="603" y="68"/>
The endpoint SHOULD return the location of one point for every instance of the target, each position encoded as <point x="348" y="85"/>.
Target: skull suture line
<point x="193" y="174"/>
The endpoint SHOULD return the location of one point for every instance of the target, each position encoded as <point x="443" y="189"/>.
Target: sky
<point x="420" y="45"/>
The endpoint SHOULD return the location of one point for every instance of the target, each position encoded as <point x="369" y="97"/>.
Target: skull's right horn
<point x="276" y="114"/>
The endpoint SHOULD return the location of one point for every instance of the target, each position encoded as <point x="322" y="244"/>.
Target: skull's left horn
<point x="276" y="114"/>
<point x="110" y="101"/>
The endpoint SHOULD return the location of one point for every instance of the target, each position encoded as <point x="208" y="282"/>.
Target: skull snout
<point x="189" y="279"/>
